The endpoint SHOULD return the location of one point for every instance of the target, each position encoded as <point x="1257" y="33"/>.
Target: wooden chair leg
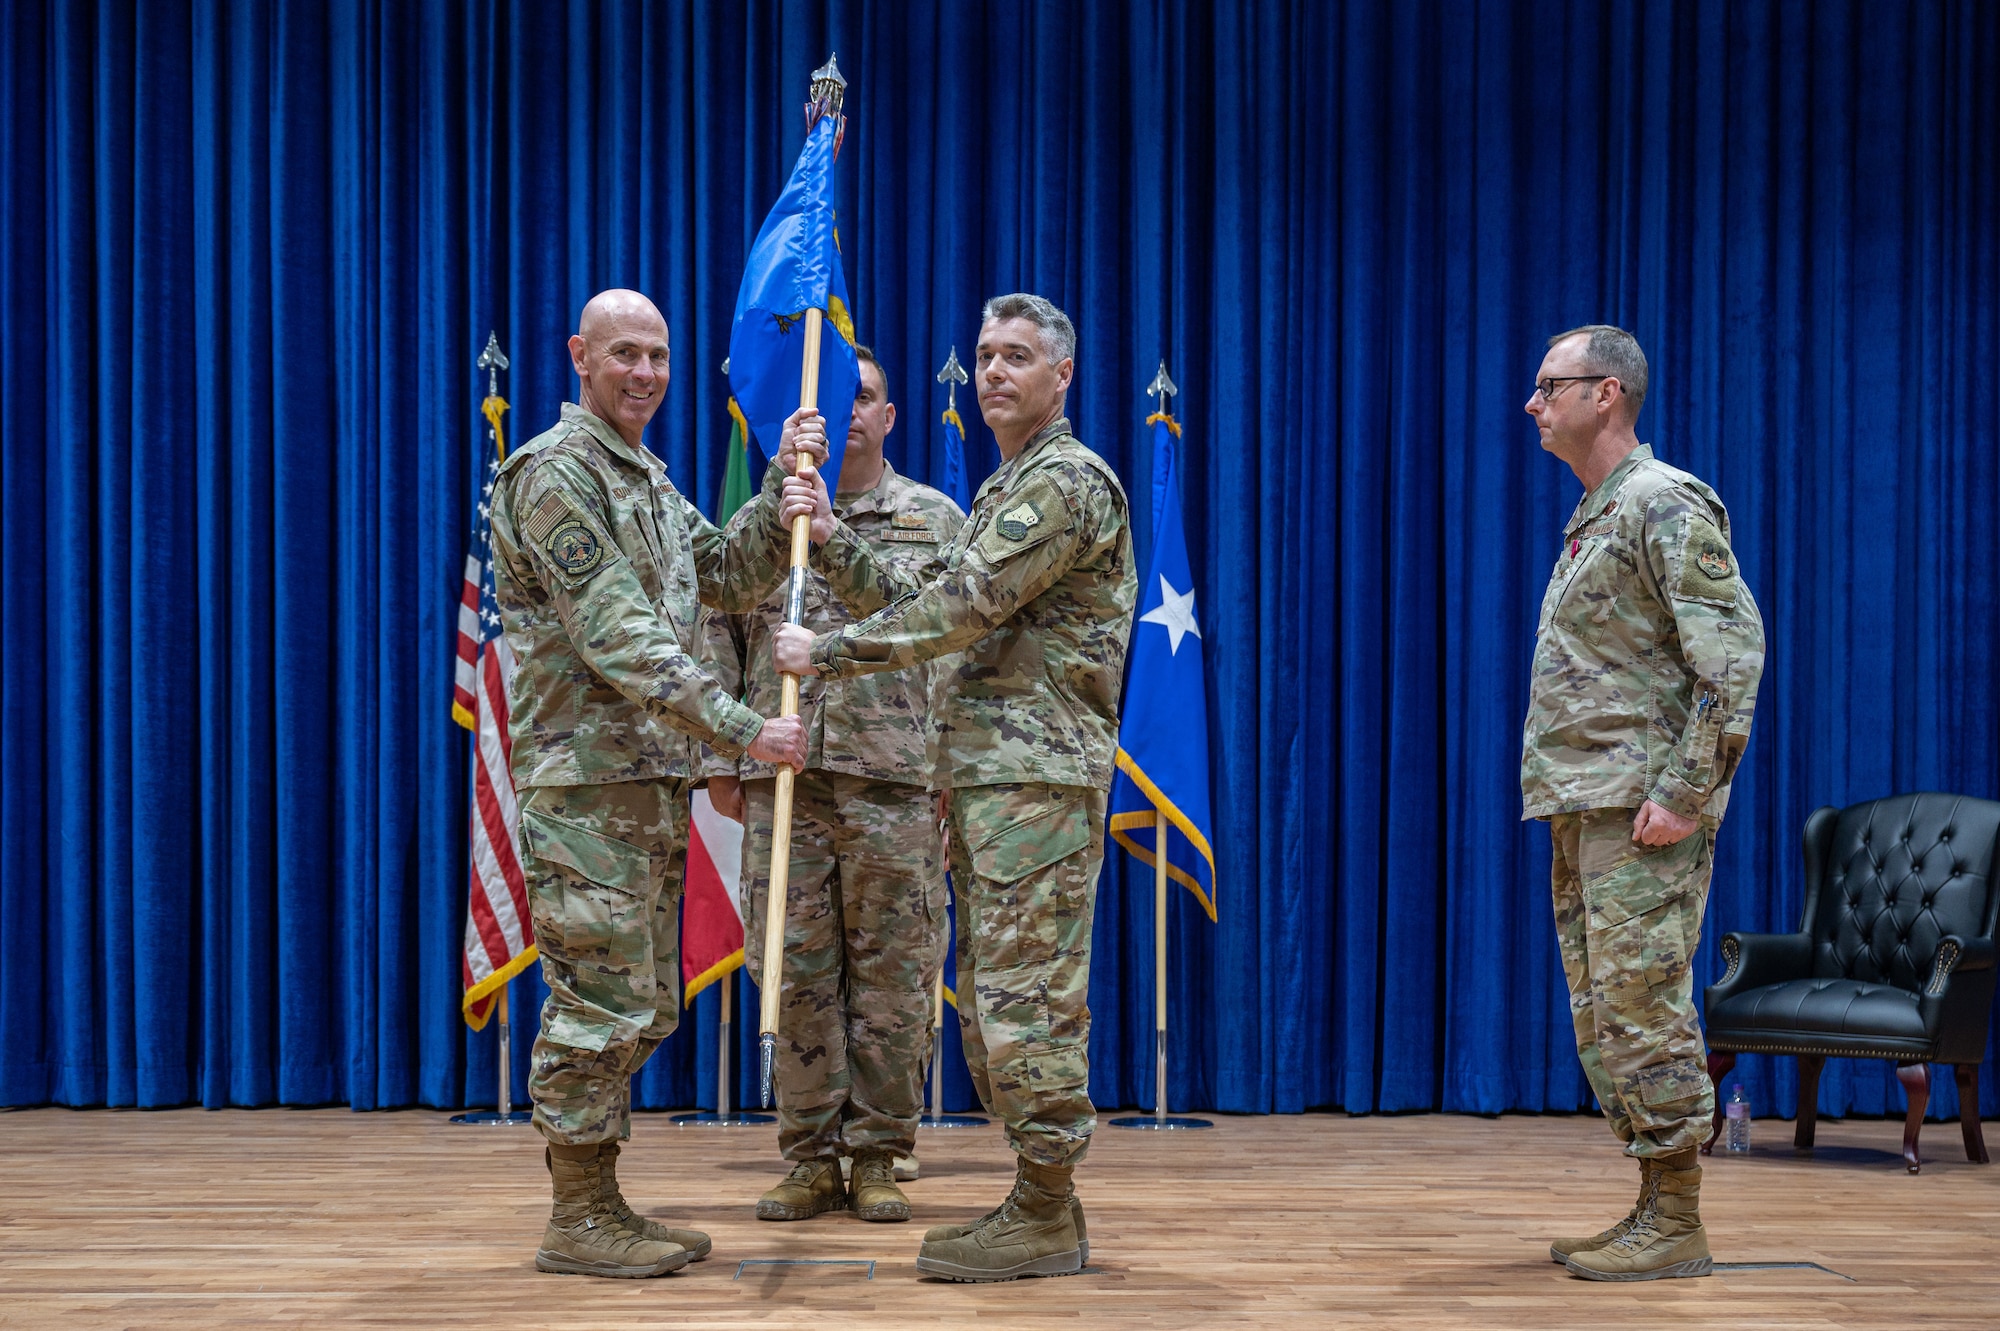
<point x="1718" y="1068"/>
<point x="1968" y="1112"/>
<point x="1916" y="1081"/>
<point x="1808" y="1121"/>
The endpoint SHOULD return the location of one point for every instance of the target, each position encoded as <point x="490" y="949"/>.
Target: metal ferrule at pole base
<point x="795" y="596"/>
<point x="767" y="1064"/>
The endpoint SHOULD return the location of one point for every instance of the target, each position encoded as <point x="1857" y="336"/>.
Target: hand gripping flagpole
<point x="828" y="90"/>
<point x="1163" y="388"/>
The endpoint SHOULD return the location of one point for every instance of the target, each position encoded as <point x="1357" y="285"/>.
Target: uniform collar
<point x="1055" y="429"/>
<point x="601" y="430"/>
<point x="1599" y="499"/>
<point x="878" y="498"/>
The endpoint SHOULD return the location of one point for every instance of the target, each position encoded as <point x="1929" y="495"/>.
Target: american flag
<point x="499" y="936"/>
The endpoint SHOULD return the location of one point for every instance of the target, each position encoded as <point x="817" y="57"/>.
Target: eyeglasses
<point x="1549" y="388"/>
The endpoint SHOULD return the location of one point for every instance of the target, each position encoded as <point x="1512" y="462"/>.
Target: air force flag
<point x="1163" y="734"/>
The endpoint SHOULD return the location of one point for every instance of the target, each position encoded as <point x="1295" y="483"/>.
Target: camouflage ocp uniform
<point x="599" y="564"/>
<point x="1037" y="593"/>
<point x="865" y="908"/>
<point x="1646" y="666"/>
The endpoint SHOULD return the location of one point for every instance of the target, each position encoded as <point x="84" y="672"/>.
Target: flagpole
<point x="506" y="1100"/>
<point x="722" y="1030"/>
<point x="725" y="1028"/>
<point x="493" y="360"/>
<point x="1160" y="968"/>
<point x="1161" y="1121"/>
<point x="937" y="1118"/>
<point x="937" y="1043"/>
<point x="828" y="88"/>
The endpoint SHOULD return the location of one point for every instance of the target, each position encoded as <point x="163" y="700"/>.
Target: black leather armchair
<point x="1894" y="957"/>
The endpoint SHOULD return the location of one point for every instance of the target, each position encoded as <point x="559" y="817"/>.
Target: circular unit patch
<point x="1714" y="561"/>
<point x="575" y="548"/>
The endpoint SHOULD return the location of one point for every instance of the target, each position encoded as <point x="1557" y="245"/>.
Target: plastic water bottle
<point x="1736" y="1123"/>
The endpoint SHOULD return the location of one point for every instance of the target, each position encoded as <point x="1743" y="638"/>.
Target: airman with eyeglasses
<point x="1646" y="666"/>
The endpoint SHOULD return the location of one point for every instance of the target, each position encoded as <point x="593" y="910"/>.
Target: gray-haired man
<point x="1037" y="592"/>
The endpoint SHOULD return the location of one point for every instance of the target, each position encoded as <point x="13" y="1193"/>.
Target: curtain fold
<point x="251" y="252"/>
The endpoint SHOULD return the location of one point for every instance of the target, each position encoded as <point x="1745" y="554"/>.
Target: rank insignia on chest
<point x="1018" y="521"/>
<point x="575" y="548"/>
<point x="1713" y="561"/>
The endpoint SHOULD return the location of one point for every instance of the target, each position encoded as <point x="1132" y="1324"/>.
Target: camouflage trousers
<point x="864" y="934"/>
<point x="1628" y="921"/>
<point x="1024" y="861"/>
<point x="604" y="866"/>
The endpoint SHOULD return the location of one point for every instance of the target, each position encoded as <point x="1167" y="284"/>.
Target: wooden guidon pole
<point x="781" y="811"/>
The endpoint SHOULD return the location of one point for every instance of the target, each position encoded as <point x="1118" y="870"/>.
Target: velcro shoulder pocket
<point x="1708" y="566"/>
<point x="1024" y="518"/>
<point x="1036" y="842"/>
<point x="593" y="856"/>
<point x="565" y="529"/>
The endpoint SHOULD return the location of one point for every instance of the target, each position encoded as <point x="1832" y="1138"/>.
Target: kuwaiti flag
<point x="793" y="267"/>
<point x="712" y="905"/>
<point x="1163" y="733"/>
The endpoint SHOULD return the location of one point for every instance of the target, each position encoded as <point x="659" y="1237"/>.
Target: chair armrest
<point x="1755" y="960"/>
<point x="1957" y="1001"/>
<point x="1955" y="953"/>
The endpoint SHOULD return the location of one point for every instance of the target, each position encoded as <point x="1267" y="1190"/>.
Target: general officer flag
<point x="795" y="267"/>
<point x="1163" y="733"/>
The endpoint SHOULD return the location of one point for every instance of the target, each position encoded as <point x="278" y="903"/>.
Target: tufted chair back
<point x="1887" y="879"/>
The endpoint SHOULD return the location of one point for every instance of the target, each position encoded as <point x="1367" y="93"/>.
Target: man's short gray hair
<point x="1615" y="352"/>
<point x="1058" y="333"/>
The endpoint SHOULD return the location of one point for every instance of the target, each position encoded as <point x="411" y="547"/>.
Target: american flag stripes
<point x="499" y="936"/>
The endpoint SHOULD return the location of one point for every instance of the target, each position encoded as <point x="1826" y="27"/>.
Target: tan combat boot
<point x="1031" y="1234"/>
<point x="1563" y="1249"/>
<point x="582" y="1239"/>
<point x="813" y="1186"/>
<point x="1666" y="1241"/>
<point x="940" y="1233"/>
<point x="876" y="1196"/>
<point x="614" y="1205"/>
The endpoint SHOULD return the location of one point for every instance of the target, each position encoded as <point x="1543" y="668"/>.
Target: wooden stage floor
<point x="321" y="1218"/>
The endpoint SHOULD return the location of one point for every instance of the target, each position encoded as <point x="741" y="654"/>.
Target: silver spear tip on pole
<point x="767" y="1062"/>
<point x="1162" y="387"/>
<point x="827" y="80"/>
<point x="492" y="360"/>
<point x="951" y="376"/>
<point x="725" y="367"/>
<point x="829" y="90"/>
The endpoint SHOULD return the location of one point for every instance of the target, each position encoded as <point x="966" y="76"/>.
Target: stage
<point x="189" y="1218"/>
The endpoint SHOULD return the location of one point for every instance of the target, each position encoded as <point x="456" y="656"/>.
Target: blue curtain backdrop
<point x="251" y="252"/>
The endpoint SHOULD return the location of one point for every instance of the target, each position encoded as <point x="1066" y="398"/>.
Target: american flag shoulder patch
<point x="547" y="516"/>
